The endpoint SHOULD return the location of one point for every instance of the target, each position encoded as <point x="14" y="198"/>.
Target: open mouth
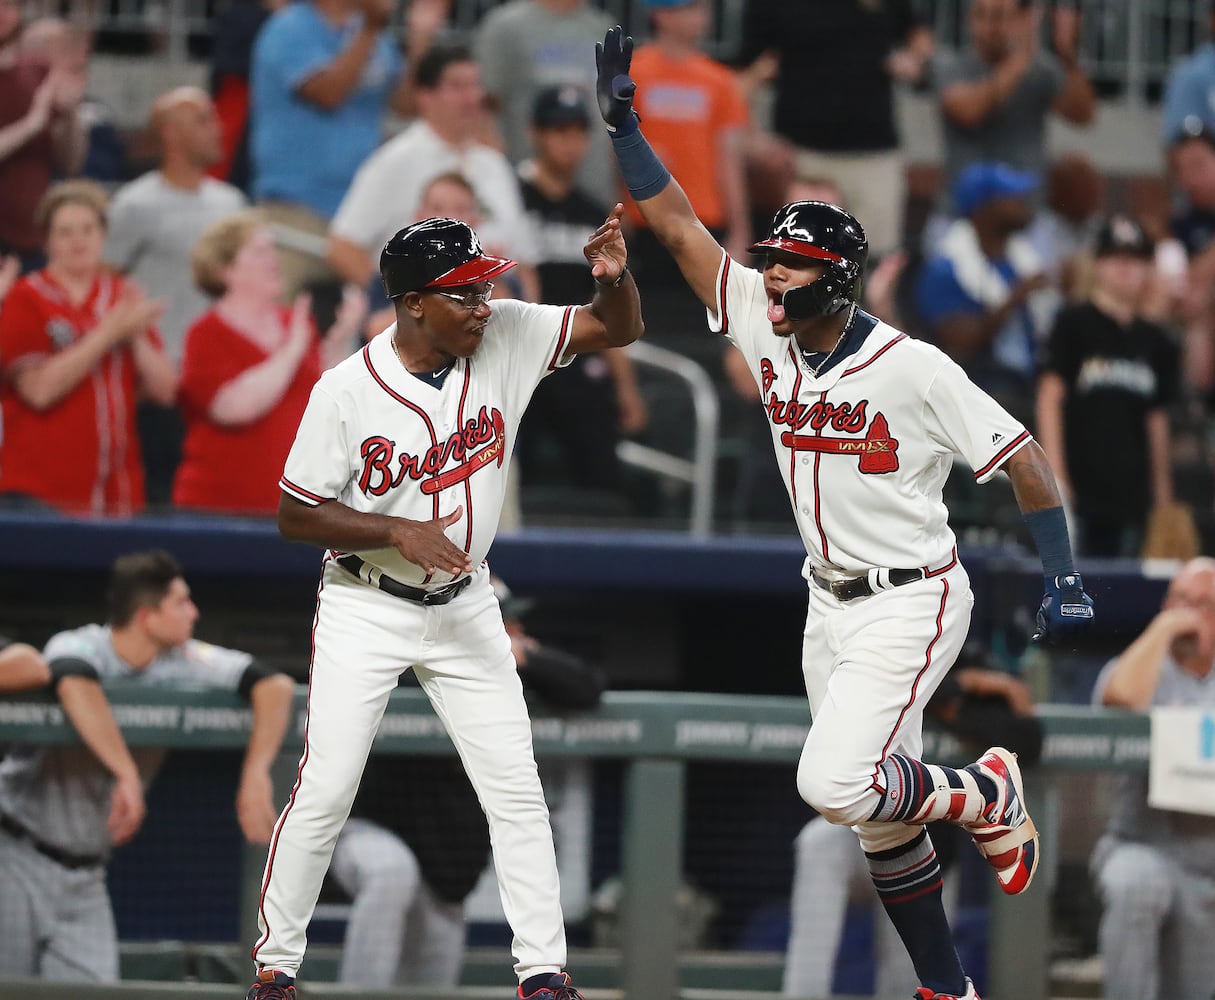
<point x="776" y="308"/>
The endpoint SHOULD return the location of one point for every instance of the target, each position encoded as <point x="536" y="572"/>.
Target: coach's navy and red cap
<point x="436" y="253"/>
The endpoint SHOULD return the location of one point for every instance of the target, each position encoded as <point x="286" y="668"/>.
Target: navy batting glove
<point x="614" y="88"/>
<point x="1065" y="610"/>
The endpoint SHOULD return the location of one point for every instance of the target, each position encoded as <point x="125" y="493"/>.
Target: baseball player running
<point x="865" y="422"/>
<point x="398" y="470"/>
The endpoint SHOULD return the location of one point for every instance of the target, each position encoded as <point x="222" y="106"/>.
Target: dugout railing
<point x="657" y="735"/>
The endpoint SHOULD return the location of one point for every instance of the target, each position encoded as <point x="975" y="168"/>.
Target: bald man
<point x="155" y="220"/>
<point x="1155" y="869"/>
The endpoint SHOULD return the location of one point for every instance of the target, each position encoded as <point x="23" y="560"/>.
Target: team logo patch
<point x="876" y="450"/>
<point x="60" y="332"/>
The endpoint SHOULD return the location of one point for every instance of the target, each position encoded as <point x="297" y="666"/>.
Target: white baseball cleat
<point x="1006" y="836"/>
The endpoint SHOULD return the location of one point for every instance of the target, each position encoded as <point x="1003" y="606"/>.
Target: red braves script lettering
<point x="817" y="415"/>
<point x="378" y="475"/>
<point x="877" y="450"/>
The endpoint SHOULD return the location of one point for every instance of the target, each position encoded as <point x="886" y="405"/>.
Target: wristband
<point x="614" y="284"/>
<point x="1049" y="531"/>
<point x="643" y="173"/>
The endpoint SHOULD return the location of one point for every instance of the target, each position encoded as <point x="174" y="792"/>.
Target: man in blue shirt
<point x="984" y="296"/>
<point x="1190" y="89"/>
<point x="324" y="73"/>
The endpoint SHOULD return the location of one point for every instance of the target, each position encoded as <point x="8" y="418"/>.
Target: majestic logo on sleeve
<point x="876" y="450"/>
<point x="480" y="442"/>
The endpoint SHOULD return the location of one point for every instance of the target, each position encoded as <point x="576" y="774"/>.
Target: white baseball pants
<point x="363" y="639"/>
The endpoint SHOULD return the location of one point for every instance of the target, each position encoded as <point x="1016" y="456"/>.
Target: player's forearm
<point x="1033" y="480"/>
<point x="23" y="668"/>
<point x="272" y="699"/>
<point x="88" y="710"/>
<point x="333" y="525"/>
<point x="618" y="308"/>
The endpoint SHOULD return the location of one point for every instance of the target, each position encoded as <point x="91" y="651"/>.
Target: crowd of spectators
<point x="334" y="117"/>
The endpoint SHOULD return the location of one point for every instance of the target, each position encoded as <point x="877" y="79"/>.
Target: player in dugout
<point x="64" y="808"/>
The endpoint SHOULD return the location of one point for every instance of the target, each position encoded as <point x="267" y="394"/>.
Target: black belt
<point x="61" y="857"/>
<point x="440" y="595"/>
<point x="859" y="586"/>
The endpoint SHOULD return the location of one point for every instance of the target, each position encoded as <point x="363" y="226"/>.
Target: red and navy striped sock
<point x="914" y="792"/>
<point x="908" y="881"/>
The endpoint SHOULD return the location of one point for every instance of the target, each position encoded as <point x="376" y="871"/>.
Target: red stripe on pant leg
<point x="299" y="772"/>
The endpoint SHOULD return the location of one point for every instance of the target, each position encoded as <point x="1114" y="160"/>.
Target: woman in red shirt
<point x="77" y="349"/>
<point x="248" y="368"/>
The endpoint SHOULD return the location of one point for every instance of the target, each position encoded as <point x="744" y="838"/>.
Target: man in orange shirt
<point x="695" y="118"/>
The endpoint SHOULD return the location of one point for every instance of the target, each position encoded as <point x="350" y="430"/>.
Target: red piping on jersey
<point x="294" y="488"/>
<point x="797" y="388"/>
<point x="397" y="396"/>
<point x="953" y="561"/>
<point x="877" y="354"/>
<point x="721" y="298"/>
<point x="1001" y="455"/>
<point x="877" y="767"/>
<point x="818" y="490"/>
<point x="468" y="511"/>
<point x="412" y="406"/>
<point x="562" y="338"/>
<point x="299" y="771"/>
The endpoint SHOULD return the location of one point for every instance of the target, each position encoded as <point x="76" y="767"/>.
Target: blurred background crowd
<point x="193" y="194"/>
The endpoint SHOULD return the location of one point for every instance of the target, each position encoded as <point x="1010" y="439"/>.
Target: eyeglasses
<point x="469" y="300"/>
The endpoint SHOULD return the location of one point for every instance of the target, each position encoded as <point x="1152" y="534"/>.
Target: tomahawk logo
<point x="876" y="451"/>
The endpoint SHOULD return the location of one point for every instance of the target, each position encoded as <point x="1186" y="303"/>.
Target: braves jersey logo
<point x="876" y="451"/>
<point x="378" y="475"/>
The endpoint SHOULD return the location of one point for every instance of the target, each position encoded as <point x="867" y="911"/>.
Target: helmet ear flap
<point x="835" y="289"/>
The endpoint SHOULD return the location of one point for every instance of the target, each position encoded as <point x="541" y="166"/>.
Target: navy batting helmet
<point x="825" y="233"/>
<point x="436" y="253"/>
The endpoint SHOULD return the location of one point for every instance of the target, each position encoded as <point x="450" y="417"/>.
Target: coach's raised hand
<point x="614" y="88"/>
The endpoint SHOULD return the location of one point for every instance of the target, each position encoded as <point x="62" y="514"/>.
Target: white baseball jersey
<point x="380" y="440"/>
<point x="866" y="447"/>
